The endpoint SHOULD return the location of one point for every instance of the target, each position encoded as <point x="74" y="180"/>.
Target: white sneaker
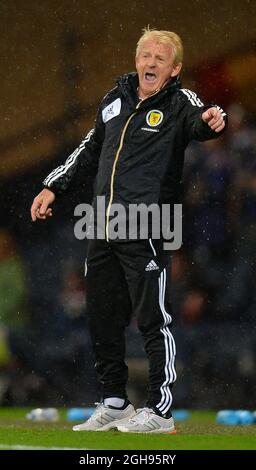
<point x="105" y="418"/>
<point x="146" y="420"/>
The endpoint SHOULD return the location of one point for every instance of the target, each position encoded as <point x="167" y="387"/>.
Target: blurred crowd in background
<point x="45" y="349"/>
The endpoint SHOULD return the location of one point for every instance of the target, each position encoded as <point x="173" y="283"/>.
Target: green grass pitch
<point x="198" y="433"/>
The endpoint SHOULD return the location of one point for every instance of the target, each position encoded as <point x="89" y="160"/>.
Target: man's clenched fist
<point x="214" y="118"/>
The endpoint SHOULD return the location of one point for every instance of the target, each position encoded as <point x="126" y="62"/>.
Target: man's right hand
<point x="40" y="208"/>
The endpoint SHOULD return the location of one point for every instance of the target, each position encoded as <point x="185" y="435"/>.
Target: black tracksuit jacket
<point x="137" y="147"/>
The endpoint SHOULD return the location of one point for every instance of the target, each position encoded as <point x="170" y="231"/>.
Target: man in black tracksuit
<point x="137" y="150"/>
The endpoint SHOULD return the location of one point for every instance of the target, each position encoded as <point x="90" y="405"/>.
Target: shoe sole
<point x="155" y="431"/>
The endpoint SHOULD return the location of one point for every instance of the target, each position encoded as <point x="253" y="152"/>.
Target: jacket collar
<point x="129" y="83"/>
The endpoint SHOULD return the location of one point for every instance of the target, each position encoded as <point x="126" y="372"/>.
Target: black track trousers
<point x="126" y="278"/>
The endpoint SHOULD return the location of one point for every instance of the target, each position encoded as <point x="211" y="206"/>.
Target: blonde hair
<point x="163" y="37"/>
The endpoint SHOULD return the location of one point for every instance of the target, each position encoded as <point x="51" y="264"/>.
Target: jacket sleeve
<point x="196" y="128"/>
<point x="85" y="157"/>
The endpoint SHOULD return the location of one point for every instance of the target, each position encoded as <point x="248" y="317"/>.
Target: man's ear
<point x="176" y="70"/>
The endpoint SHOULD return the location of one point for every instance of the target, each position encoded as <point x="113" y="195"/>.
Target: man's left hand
<point x="213" y="117"/>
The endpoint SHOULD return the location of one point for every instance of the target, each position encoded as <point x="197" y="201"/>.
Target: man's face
<point x="155" y="67"/>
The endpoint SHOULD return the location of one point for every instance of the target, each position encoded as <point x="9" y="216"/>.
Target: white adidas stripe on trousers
<point x="170" y="350"/>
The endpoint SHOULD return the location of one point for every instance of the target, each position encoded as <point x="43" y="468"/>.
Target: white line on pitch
<point x="21" y="447"/>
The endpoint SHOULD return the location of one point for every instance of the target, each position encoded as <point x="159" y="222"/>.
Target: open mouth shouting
<point x="150" y="77"/>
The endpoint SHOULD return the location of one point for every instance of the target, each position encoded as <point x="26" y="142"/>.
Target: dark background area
<point x="58" y="59"/>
